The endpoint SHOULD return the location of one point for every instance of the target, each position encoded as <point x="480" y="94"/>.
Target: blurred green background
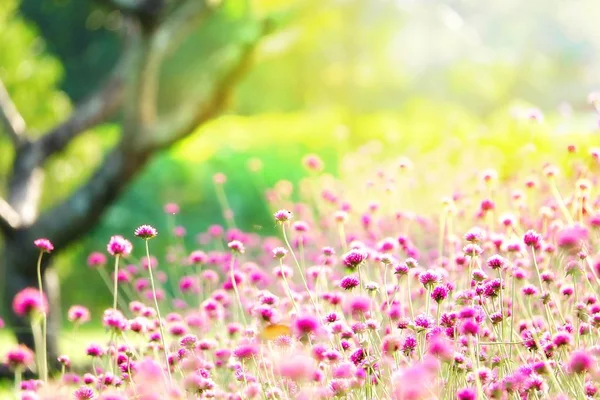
<point x="443" y="78"/>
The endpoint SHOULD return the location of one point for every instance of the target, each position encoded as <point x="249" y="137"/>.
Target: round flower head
<point x="84" y="393"/>
<point x="29" y="300"/>
<point x="171" y="208"/>
<point x="19" y="357"/>
<point x="354" y="258"/>
<point x="532" y="238"/>
<point x="96" y="259"/>
<point x="282" y="216"/>
<point x="349" y="282"/>
<point x="78" y="314"/>
<point x="119" y="246"/>
<point x="279" y="252"/>
<point x="236" y="246"/>
<point x="44" y="245"/>
<point x="146" y="232"/>
<point x="580" y="361"/>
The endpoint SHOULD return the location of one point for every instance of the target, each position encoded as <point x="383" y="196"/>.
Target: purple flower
<point x="29" y="300"/>
<point x="305" y="325"/>
<point x="532" y="238"/>
<point x="145" y="232"/>
<point x="282" y="216"/>
<point x="354" y="258"/>
<point x="349" y="282"/>
<point x="236" y="246"/>
<point x="429" y="278"/>
<point x="245" y="351"/>
<point x="439" y="293"/>
<point x="496" y="262"/>
<point x="119" y="246"/>
<point x="44" y="245"/>
<point x="84" y="393"/>
<point x="466" y="394"/>
<point x="580" y="361"/>
<point x="96" y="259"/>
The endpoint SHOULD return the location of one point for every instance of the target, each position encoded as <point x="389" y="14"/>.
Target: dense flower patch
<point x="493" y="295"/>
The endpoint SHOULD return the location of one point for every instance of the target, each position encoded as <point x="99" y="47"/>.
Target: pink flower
<point x="305" y="325"/>
<point x="96" y="259"/>
<point x="19" y="357"/>
<point x="29" y="300"/>
<point x="245" y="351"/>
<point x="349" y="282"/>
<point x="171" y="208"/>
<point x="236" y="246"/>
<point x="282" y="216"/>
<point x="415" y="382"/>
<point x="78" y="314"/>
<point x="198" y="257"/>
<point x="297" y="367"/>
<point x="571" y="237"/>
<point x="84" y="393"/>
<point x="580" y="361"/>
<point x="146" y="232"/>
<point x="312" y="162"/>
<point x="44" y="245"/>
<point x="354" y="258"/>
<point x="119" y="246"/>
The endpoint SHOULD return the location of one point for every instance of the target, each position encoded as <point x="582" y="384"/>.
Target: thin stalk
<point x="44" y="361"/>
<point x="160" y="323"/>
<point x="116" y="282"/>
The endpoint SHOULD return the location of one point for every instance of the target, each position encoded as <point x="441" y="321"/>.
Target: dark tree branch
<point x="94" y="110"/>
<point x="187" y="119"/>
<point x="149" y="8"/>
<point x="11" y="118"/>
<point x="77" y="214"/>
<point x="9" y="218"/>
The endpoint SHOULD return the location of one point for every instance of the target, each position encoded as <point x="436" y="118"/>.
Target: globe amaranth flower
<point x="236" y="246"/>
<point x="96" y="259"/>
<point x="282" y="216"/>
<point x="119" y="246"/>
<point x="146" y="232"/>
<point x="29" y="300"/>
<point x="532" y="238"/>
<point x="78" y="314"/>
<point x="19" y="357"/>
<point x="349" y="282"/>
<point x="354" y="258"/>
<point x="44" y="245"/>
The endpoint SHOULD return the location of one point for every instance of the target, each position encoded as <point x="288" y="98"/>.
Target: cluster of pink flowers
<point x="496" y="295"/>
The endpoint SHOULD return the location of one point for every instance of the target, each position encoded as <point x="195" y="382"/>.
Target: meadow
<point x="444" y="257"/>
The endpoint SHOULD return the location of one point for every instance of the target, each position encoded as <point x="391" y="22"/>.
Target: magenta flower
<point x="245" y="351"/>
<point x="119" y="246"/>
<point x="282" y="216"/>
<point x="580" y="361"/>
<point x="29" y="300"/>
<point x="354" y="258"/>
<point x="44" y="245"/>
<point x="171" y="208"/>
<point x="349" y="282"/>
<point x="532" y="238"/>
<point x="305" y="325"/>
<point x="236" y="246"/>
<point x="146" y="232"/>
<point x="96" y="259"/>
<point x="198" y="257"/>
<point x="78" y="314"/>
<point x="84" y="393"/>
<point x="19" y="357"/>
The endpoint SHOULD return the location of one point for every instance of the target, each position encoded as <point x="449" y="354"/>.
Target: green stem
<point x="116" y="282"/>
<point x="44" y="361"/>
<point x="160" y="323"/>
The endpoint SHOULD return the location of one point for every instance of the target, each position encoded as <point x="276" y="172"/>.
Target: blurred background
<point x="333" y="75"/>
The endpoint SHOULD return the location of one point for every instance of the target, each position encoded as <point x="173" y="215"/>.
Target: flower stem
<point x="116" y="282"/>
<point x="160" y="323"/>
<point x="44" y="362"/>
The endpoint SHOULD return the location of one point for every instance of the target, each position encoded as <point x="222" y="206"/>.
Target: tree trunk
<point x="19" y="274"/>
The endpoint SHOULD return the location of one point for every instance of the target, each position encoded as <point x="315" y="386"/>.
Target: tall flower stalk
<point x="45" y="246"/>
<point x="147" y="232"/>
